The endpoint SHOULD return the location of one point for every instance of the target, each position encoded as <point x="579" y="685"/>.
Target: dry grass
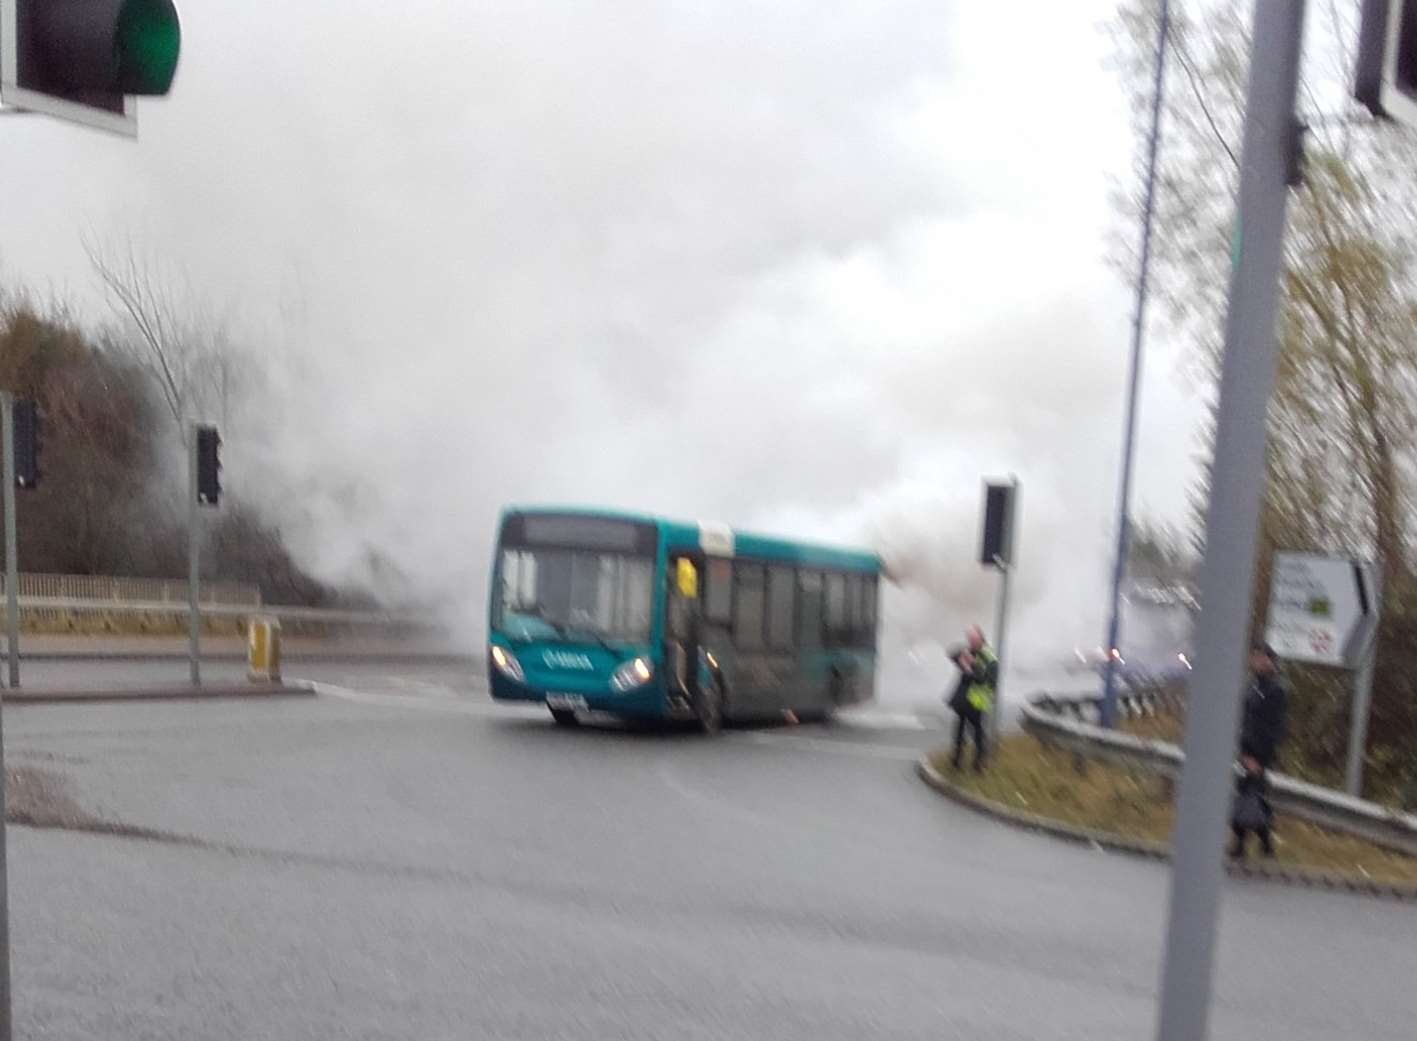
<point x="1025" y="775"/>
<point x="1156" y="728"/>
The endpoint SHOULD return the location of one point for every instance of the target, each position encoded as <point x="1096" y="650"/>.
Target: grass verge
<point x="1131" y="804"/>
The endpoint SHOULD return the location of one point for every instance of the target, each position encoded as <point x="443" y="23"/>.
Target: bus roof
<point x="686" y="534"/>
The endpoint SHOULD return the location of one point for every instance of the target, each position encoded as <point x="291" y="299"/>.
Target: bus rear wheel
<point x="708" y="708"/>
<point x="565" y="717"/>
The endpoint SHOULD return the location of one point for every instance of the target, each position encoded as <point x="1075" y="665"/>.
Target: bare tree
<point x="176" y="335"/>
<point x="1341" y="421"/>
<point x="1341" y="452"/>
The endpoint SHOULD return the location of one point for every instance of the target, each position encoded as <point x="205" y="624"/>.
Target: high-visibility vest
<point x="981" y="695"/>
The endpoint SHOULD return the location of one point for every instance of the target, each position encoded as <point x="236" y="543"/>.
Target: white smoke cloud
<point x="812" y="269"/>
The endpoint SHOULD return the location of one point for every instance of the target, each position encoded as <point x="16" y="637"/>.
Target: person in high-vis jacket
<point x="974" y="696"/>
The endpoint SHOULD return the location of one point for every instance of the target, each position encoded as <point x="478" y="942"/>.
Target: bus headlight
<point x="632" y="674"/>
<point x="507" y="664"/>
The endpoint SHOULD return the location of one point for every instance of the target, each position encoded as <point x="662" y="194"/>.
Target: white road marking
<point x="483" y="709"/>
<point x="488" y="709"/>
<point x="883" y="721"/>
<point x="899" y="753"/>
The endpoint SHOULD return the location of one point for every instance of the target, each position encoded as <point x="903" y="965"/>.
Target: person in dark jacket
<point x="1261" y="733"/>
<point x="974" y="694"/>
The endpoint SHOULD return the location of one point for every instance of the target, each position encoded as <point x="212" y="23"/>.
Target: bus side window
<point x="748" y="606"/>
<point x="718" y="591"/>
<point x="852" y="635"/>
<point x="809" y="614"/>
<point x="836" y="610"/>
<point x="870" y="590"/>
<point x="781" y="604"/>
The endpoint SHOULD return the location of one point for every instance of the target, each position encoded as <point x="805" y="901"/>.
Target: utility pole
<point x="1268" y="162"/>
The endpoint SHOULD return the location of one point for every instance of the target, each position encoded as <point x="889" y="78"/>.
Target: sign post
<point x="1324" y="611"/>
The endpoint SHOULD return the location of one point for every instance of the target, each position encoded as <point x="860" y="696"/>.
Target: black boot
<point x="1266" y="845"/>
<point x="1236" y="851"/>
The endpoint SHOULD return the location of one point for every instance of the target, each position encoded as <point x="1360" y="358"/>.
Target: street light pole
<point x="1124" y="495"/>
<point x="1270" y="144"/>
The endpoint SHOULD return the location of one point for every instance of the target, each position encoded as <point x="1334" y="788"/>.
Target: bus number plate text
<point x="574" y="702"/>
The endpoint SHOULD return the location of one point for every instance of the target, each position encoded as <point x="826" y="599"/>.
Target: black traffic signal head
<point x="26" y="434"/>
<point x="208" y="466"/>
<point x="997" y="543"/>
<point x="93" y="52"/>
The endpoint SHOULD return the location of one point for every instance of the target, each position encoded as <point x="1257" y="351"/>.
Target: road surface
<point x="403" y="859"/>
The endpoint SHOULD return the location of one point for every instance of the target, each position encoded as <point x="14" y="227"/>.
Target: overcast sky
<point x="814" y="266"/>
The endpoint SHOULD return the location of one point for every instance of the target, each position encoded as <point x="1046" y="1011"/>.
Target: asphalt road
<point x="406" y="860"/>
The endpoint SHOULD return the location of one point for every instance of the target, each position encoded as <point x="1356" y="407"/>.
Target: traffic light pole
<point x="996" y="720"/>
<point x="12" y="599"/>
<point x="1270" y="141"/>
<point x="12" y="563"/>
<point x="194" y="618"/>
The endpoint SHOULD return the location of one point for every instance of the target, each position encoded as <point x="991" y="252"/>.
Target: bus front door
<point x="682" y="630"/>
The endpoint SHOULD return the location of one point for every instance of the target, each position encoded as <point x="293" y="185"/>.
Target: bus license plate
<point x="574" y="702"/>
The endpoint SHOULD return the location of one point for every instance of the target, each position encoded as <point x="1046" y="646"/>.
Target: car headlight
<point x="632" y="674"/>
<point x="507" y="664"/>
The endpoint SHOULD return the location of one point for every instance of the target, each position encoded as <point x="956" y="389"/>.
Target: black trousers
<point x="970" y="717"/>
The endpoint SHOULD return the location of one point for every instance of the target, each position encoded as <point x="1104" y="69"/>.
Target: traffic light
<point x="26" y="431"/>
<point x="208" y="466"/>
<point x="81" y="59"/>
<point x="1385" y="77"/>
<point x="997" y="545"/>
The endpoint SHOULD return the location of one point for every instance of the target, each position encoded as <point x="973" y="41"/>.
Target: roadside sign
<point x="1321" y="609"/>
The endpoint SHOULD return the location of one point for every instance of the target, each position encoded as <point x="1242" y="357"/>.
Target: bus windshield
<point x="573" y="594"/>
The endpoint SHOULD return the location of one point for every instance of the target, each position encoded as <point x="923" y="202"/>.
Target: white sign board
<point x="716" y="540"/>
<point x="1321" y="609"/>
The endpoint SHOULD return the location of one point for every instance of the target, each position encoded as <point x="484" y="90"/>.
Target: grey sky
<point x="818" y="267"/>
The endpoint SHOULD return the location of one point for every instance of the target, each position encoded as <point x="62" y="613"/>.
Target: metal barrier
<point x="1067" y="721"/>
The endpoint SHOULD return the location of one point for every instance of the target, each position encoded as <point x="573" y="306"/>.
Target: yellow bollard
<point x="263" y="650"/>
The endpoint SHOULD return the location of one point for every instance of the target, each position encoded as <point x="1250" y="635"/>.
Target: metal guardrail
<point x="1068" y="721"/>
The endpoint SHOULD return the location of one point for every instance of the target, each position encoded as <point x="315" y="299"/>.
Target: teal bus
<point x="641" y="617"/>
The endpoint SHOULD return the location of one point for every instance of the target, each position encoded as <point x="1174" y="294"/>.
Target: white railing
<point x="211" y="609"/>
<point x="111" y="588"/>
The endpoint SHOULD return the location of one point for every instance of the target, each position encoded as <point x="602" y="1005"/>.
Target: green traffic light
<point x="147" y="44"/>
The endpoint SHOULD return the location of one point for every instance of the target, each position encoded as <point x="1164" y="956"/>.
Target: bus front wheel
<point x="708" y="708"/>
<point x="565" y="717"/>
